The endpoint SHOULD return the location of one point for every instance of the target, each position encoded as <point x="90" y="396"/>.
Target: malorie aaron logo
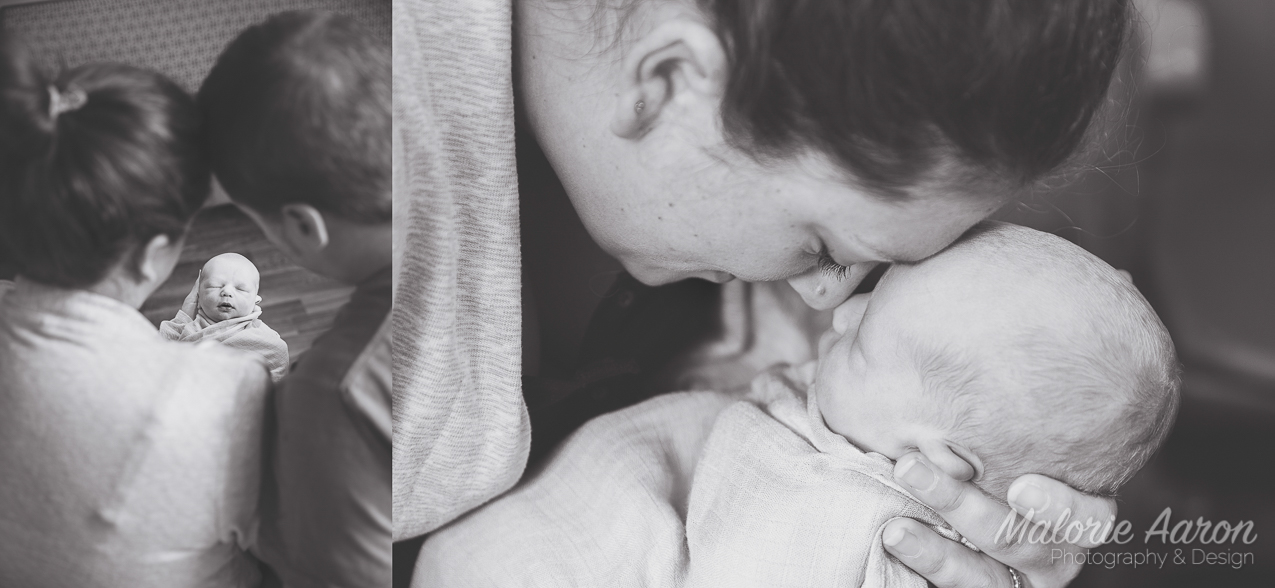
<point x="1200" y="540"/>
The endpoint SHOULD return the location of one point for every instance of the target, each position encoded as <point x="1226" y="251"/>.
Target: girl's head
<point x="753" y="138"/>
<point x="101" y="170"/>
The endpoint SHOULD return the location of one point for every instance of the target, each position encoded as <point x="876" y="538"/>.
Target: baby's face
<point x="869" y="382"/>
<point x="866" y="388"/>
<point x="228" y="288"/>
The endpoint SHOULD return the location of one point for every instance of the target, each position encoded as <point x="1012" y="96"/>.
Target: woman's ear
<point x="680" y="58"/>
<point x="954" y="459"/>
<point x="303" y="228"/>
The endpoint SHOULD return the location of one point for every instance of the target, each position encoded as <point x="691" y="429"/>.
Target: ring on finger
<point x="1013" y="575"/>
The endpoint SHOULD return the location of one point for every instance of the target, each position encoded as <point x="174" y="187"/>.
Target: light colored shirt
<point x="129" y="461"/>
<point x="326" y="511"/>
<point x="461" y="430"/>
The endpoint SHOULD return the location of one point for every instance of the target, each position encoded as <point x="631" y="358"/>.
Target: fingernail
<point x="1028" y="497"/>
<point x="916" y="475"/>
<point x="902" y="542"/>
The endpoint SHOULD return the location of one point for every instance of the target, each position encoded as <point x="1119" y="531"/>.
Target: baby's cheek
<point x="832" y="403"/>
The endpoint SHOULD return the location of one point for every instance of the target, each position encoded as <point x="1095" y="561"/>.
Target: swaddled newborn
<point x="222" y="307"/>
<point x="1010" y="352"/>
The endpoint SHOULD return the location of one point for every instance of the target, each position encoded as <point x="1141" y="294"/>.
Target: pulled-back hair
<point x="81" y="189"/>
<point x="890" y="89"/>
<point x="298" y="110"/>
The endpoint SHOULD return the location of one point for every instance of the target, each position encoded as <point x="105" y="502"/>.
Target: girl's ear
<point x="954" y="459"/>
<point x="680" y="58"/>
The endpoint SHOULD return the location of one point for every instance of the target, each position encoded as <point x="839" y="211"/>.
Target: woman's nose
<point x="822" y="291"/>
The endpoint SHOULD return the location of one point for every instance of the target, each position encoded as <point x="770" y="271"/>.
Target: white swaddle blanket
<point x="691" y="489"/>
<point x="245" y="333"/>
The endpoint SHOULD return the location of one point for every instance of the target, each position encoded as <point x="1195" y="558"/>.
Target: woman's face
<point x="658" y="188"/>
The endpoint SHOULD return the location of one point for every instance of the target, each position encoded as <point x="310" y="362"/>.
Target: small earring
<point x="820" y="290"/>
<point x="639" y="106"/>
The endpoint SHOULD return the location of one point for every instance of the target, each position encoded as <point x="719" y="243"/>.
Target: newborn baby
<point x="222" y="307"/>
<point x="1010" y="352"/>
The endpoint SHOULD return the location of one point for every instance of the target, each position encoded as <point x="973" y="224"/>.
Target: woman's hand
<point x="978" y="517"/>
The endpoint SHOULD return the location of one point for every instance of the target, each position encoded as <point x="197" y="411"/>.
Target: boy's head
<point x="1011" y="352"/>
<point x="228" y="287"/>
<point x="297" y="111"/>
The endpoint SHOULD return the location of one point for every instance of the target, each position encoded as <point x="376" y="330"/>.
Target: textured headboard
<point x="179" y="38"/>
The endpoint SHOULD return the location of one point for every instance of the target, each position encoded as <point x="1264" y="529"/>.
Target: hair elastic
<point x="67" y="101"/>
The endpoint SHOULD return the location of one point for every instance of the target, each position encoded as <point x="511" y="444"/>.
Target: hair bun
<point x="61" y="101"/>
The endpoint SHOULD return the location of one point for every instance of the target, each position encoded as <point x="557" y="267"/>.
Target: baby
<point x="222" y="307"/>
<point x="1010" y="352"/>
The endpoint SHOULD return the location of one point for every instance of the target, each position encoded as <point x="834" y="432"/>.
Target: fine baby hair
<point x="94" y="163"/>
<point x="298" y="110"/>
<point x="1076" y="377"/>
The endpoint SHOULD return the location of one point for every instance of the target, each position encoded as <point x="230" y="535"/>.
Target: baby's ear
<point x="954" y="459"/>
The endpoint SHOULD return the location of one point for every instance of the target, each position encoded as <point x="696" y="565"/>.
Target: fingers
<point x="972" y="513"/>
<point x="996" y="529"/>
<point x="1040" y="498"/>
<point x="944" y="563"/>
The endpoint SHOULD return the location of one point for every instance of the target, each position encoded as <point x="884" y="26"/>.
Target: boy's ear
<point x="954" y="459"/>
<point x="681" y="57"/>
<point x="155" y="260"/>
<point x="304" y="228"/>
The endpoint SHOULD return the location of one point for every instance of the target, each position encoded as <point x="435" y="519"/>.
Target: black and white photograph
<point x="815" y="293"/>
<point x="196" y="259"/>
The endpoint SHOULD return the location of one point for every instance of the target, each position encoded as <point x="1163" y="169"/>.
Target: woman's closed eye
<point x="830" y="267"/>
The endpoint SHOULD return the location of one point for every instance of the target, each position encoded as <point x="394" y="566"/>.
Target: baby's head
<point x="228" y="287"/>
<point x="1011" y="352"/>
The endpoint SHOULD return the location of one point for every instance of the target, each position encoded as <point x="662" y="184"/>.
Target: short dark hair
<point x="298" y="110"/>
<point x="83" y="188"/>
<point x="889" y="88"/>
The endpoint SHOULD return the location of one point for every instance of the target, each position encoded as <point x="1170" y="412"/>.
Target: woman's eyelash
<point x="831" y="268"/>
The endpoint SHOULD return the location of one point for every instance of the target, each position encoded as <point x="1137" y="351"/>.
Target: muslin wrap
<point x="697" y="489"/>
<point x="246" y="333"/>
